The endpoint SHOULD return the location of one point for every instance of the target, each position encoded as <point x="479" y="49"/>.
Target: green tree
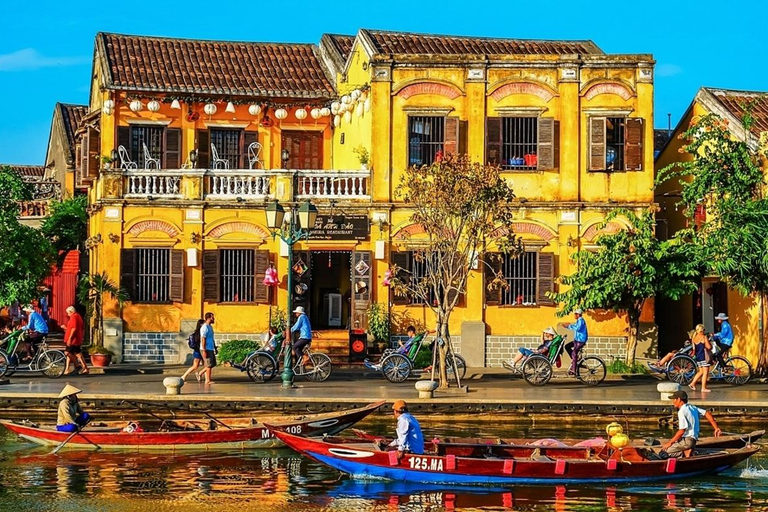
<point x="91" y="291"/>
<point x="25" y="254"/>
<point x="627" y="269"/>
<point x="725" y="175"/>
<point x="66" y="224"/>
<point x="459" y="206"/>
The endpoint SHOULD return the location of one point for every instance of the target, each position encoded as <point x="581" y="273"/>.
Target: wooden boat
<point x="194" y="434"/>
<point x="445" y="463"/>
<point x="725" y="441"/>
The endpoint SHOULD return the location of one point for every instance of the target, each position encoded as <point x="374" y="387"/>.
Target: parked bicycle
<point x="51" y="362"/>
<point x="263" y="364"/>
<point x="682" y="368"/>
<point x="537" y="369"/>
<point x="397" y="365"/>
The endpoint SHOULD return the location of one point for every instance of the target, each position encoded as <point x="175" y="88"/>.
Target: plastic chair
<point x="149" y="161"/>
<point x="125" y="159"/>
<point x="218" y="161"/>
<point x="254" y="151"/>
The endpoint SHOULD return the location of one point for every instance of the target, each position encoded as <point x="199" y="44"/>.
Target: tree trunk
<point x="442" y="334"/>
<point x="634" y="327"/>
<point x="762" y="360"/>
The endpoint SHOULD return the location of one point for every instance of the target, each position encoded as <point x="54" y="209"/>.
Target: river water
<point x="280" y="480"/>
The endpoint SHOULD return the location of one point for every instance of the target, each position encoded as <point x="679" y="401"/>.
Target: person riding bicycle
<point x="548" y="338"/>
<point x="305" y="333"/>
<point x="580" y="336"/>
<point x="724" y="338"/>
<point x="35" y="330"/>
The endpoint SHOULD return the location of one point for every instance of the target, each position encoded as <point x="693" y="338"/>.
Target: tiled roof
<point x="28" y="172"/>
<point x="737" y="102"/>
<point x="426" y="44"/>
<point x="660" y="138"/>
<point x="71" y="115"/>
<point x="342" y="43"/>
<point x="137" y="63"/>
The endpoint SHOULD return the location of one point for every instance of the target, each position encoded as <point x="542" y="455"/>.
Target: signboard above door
<point x="340" y="227"/>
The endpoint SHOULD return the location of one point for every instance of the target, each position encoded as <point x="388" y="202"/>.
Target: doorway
<point x="711" y="299"/>
<point x="330" y="292"/>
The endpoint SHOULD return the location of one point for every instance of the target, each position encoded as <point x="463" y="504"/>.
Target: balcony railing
<point x="160" y="184"/>
<point x="231" y="184"/>
<point x="43" y="192"/>
<point x="333" y="184"/>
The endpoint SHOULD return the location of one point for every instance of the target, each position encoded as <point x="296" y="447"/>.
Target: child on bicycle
<point x="549" y="335"/>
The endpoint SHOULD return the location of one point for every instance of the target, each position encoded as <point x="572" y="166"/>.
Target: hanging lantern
<point x="270" y="277"/>
<point x="153" y="106"/>
<point x="301" y="114"/>
<point x="359" y="110"/>
<point x="210" y="109"/>
<point x="315" y="113"/>
<point x="109" y="107"/>
<point x="335" y="107"/>
<point x="367" y="104"/>
<point x="337" y="120"/>
<point x="325" y="112"/>
<point x="230" y="108"/>
<point x="136" y="106"/>
<point x="346" y="99"/>
<point x="254" y="110"/>
<point x="348" y="117"/>
<point x="175" y="105"/>
<point x="355" y="94"/>
<point x="281" y="114"/>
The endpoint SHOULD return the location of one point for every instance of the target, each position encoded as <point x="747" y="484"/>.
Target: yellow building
<point x="713" y="296"/>
<point x="179" y="217"/>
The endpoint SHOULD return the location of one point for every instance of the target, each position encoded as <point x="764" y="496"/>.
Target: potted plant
<point x="107" y="161"/>
<point x="91" y="291"/>
<point x="378" y="326"/>
<point x="363" y="156"/>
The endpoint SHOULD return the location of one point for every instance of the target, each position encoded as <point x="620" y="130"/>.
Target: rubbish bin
<point x="358" y="345"/>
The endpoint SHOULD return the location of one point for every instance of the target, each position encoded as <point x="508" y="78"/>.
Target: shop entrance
<point x="330" y="289"/>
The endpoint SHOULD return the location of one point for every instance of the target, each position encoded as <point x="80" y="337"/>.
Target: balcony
<point x="43" y="192"/>
<point x="333" y="184"/>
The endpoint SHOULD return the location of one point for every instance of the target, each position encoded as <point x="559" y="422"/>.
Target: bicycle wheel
<point x="681" y="369"/>
<point x="591" y="371"/>
<point x="396" y="367"/>
<point x="537" y="370"/>
<point x="261" y="367"/>
<point x="5" y="363"/>
<point x="52" y="363"/>
<point x="319" y="368"/>
<point x="461" y="365"/>
<point x="737" y="371"/>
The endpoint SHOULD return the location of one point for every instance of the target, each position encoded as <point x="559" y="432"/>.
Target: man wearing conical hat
<point x="71" y="416"/>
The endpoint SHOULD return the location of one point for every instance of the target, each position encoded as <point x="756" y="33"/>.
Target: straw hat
<point x="550" y="330"/>
<point x="721" y="316"/>
<point x="299" y="309"/>
<point x="578" y="311"/>
<point x="69" y="390"/>
<point x="360" y="286"/>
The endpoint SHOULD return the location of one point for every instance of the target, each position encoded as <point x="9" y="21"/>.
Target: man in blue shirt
<point x="409" y="437"/>
<point x="724" y="338"/>
<point x="36" y="329"/>
<point x="684" y="440"/>
<point x="305" y="333"/>
<point x="580" y="335"/>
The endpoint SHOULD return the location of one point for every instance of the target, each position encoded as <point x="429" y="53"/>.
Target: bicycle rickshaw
<point x="537" y="369"/>
<point x="682" y="368"/>
<point x="397" y="365"/>
<point x="263" y="364"/>
<point x="51" y="362"/>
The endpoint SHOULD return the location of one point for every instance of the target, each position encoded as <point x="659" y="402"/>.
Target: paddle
<point x="169" y="409"/>
<point x="216" y="420"/>
<point x="80" y="429"/>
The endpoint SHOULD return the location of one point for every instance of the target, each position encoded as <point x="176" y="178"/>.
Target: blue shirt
<point x="579" y="327"/>
<point x="206" y="333"/>
<point x="409" y="436"/>
<point x="36" y="323"/>
<point x="725" y="335"/>
<point x="688" y="418"/>
<point x="302" y="325"/>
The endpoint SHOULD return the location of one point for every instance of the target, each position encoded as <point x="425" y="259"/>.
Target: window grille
<point x="153" y="275"/>
<point x="237" y="275"/>
<point x="519" y="148"/>
<point x="426" y="136"/>
<point x="520" y="273"/>
<point x="614" y="143"/>
<point x="152" y="136"/>
<point x="419" y="271"/>
<point x="227" y="144"/>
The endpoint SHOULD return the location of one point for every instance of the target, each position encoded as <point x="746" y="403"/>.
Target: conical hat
<point x="69" y="390"/>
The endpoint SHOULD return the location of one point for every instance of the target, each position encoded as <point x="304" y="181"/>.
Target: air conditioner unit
<point x="333" y="309"/>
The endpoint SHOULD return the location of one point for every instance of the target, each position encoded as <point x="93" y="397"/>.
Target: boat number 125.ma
<point x="426" y="464"/>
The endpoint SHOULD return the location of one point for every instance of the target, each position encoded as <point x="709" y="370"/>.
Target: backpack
<point x="194" y="341"/>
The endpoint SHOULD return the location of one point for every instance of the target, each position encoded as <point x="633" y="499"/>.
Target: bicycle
<point x="537" y="368"/>
<point x="397" y="366"/>
<point x="682" y="368"/>
<point x="51" y="362"/>
<point x="262" y="365"/>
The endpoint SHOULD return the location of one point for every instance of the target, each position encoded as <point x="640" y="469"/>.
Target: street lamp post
<point x="290" y="231"/>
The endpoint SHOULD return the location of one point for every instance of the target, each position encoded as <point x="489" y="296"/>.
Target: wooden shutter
<point x="172" y="148"/>
<point x="91" y="154"/>
<point x="549" y="144"/>
<point x="597" y="144"/>
<point x="403" y="262"/>
<point x="633" y="144"/>
<point x="492" y="267"/>
<point x="177" y="275"/>
<point x="128" y="262"/>
<point x="248" y="138"/>
<point x="124" y="138"/>
<point x="261" y="264"/>
<point x="546" y="277"/>
<point x="493" y="141"/>
<point x="452" y="136"/>
<point x="203" y="149"/>
<point x="361" y="301"/>
<point x="211" y="277"/>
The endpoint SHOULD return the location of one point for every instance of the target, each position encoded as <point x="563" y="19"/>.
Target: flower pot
<point x="101" y="360"/>
<point x="364" y="167"/>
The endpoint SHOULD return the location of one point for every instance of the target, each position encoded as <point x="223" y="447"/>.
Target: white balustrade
<point x="334" y="184"/>
<point x="229" y="184"/>
<point x="160" y="184"/>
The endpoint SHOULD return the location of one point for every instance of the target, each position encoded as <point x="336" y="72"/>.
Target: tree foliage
<point x="629" y="267"/>
<point x="91" y="291"/>
<point x="460" y="207"/>
<point x="66" y="224"/>
<point x="25" y="254"/>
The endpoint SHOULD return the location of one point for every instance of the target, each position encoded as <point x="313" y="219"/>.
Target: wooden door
<point x="305" y="149"/>
<point x="361" y="288"/>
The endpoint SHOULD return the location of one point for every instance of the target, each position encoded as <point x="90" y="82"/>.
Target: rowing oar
<point x="171" y="410"/>
<point x="217" y="420"/>
<point x="73" y="434"/>
<point x="138" y="407"/>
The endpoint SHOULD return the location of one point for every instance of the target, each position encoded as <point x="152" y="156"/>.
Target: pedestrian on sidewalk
<point x="194" y="344"/>
<point x="703" y="351"/>
<point x="209" y="348"/>
<point x="580" y="336"/>
<point x="684" y="440"/>
<point x="73" y="339"/>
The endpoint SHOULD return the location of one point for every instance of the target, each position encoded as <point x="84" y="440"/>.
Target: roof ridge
<point x="487" y="38"/>
<point x="190" y="40"/>
<point x="723" y="89"/>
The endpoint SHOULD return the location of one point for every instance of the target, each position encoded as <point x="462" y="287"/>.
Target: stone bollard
<point x="173" y="385"/>
<point x="426" y="388"/>
<point x="667" y="388"/>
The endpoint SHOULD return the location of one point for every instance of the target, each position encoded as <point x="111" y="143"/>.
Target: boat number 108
<point x="425" y="464"/>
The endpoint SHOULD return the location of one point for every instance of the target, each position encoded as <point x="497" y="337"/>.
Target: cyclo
<point x="397" y="365"/>
<point x="537" y="369"/>
<point x="263" y="364"/>
<point x="735" y="370"/>
<point x="51" y="362"/>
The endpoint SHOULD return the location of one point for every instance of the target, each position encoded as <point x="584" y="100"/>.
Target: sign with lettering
<point x="340" y="227"/>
